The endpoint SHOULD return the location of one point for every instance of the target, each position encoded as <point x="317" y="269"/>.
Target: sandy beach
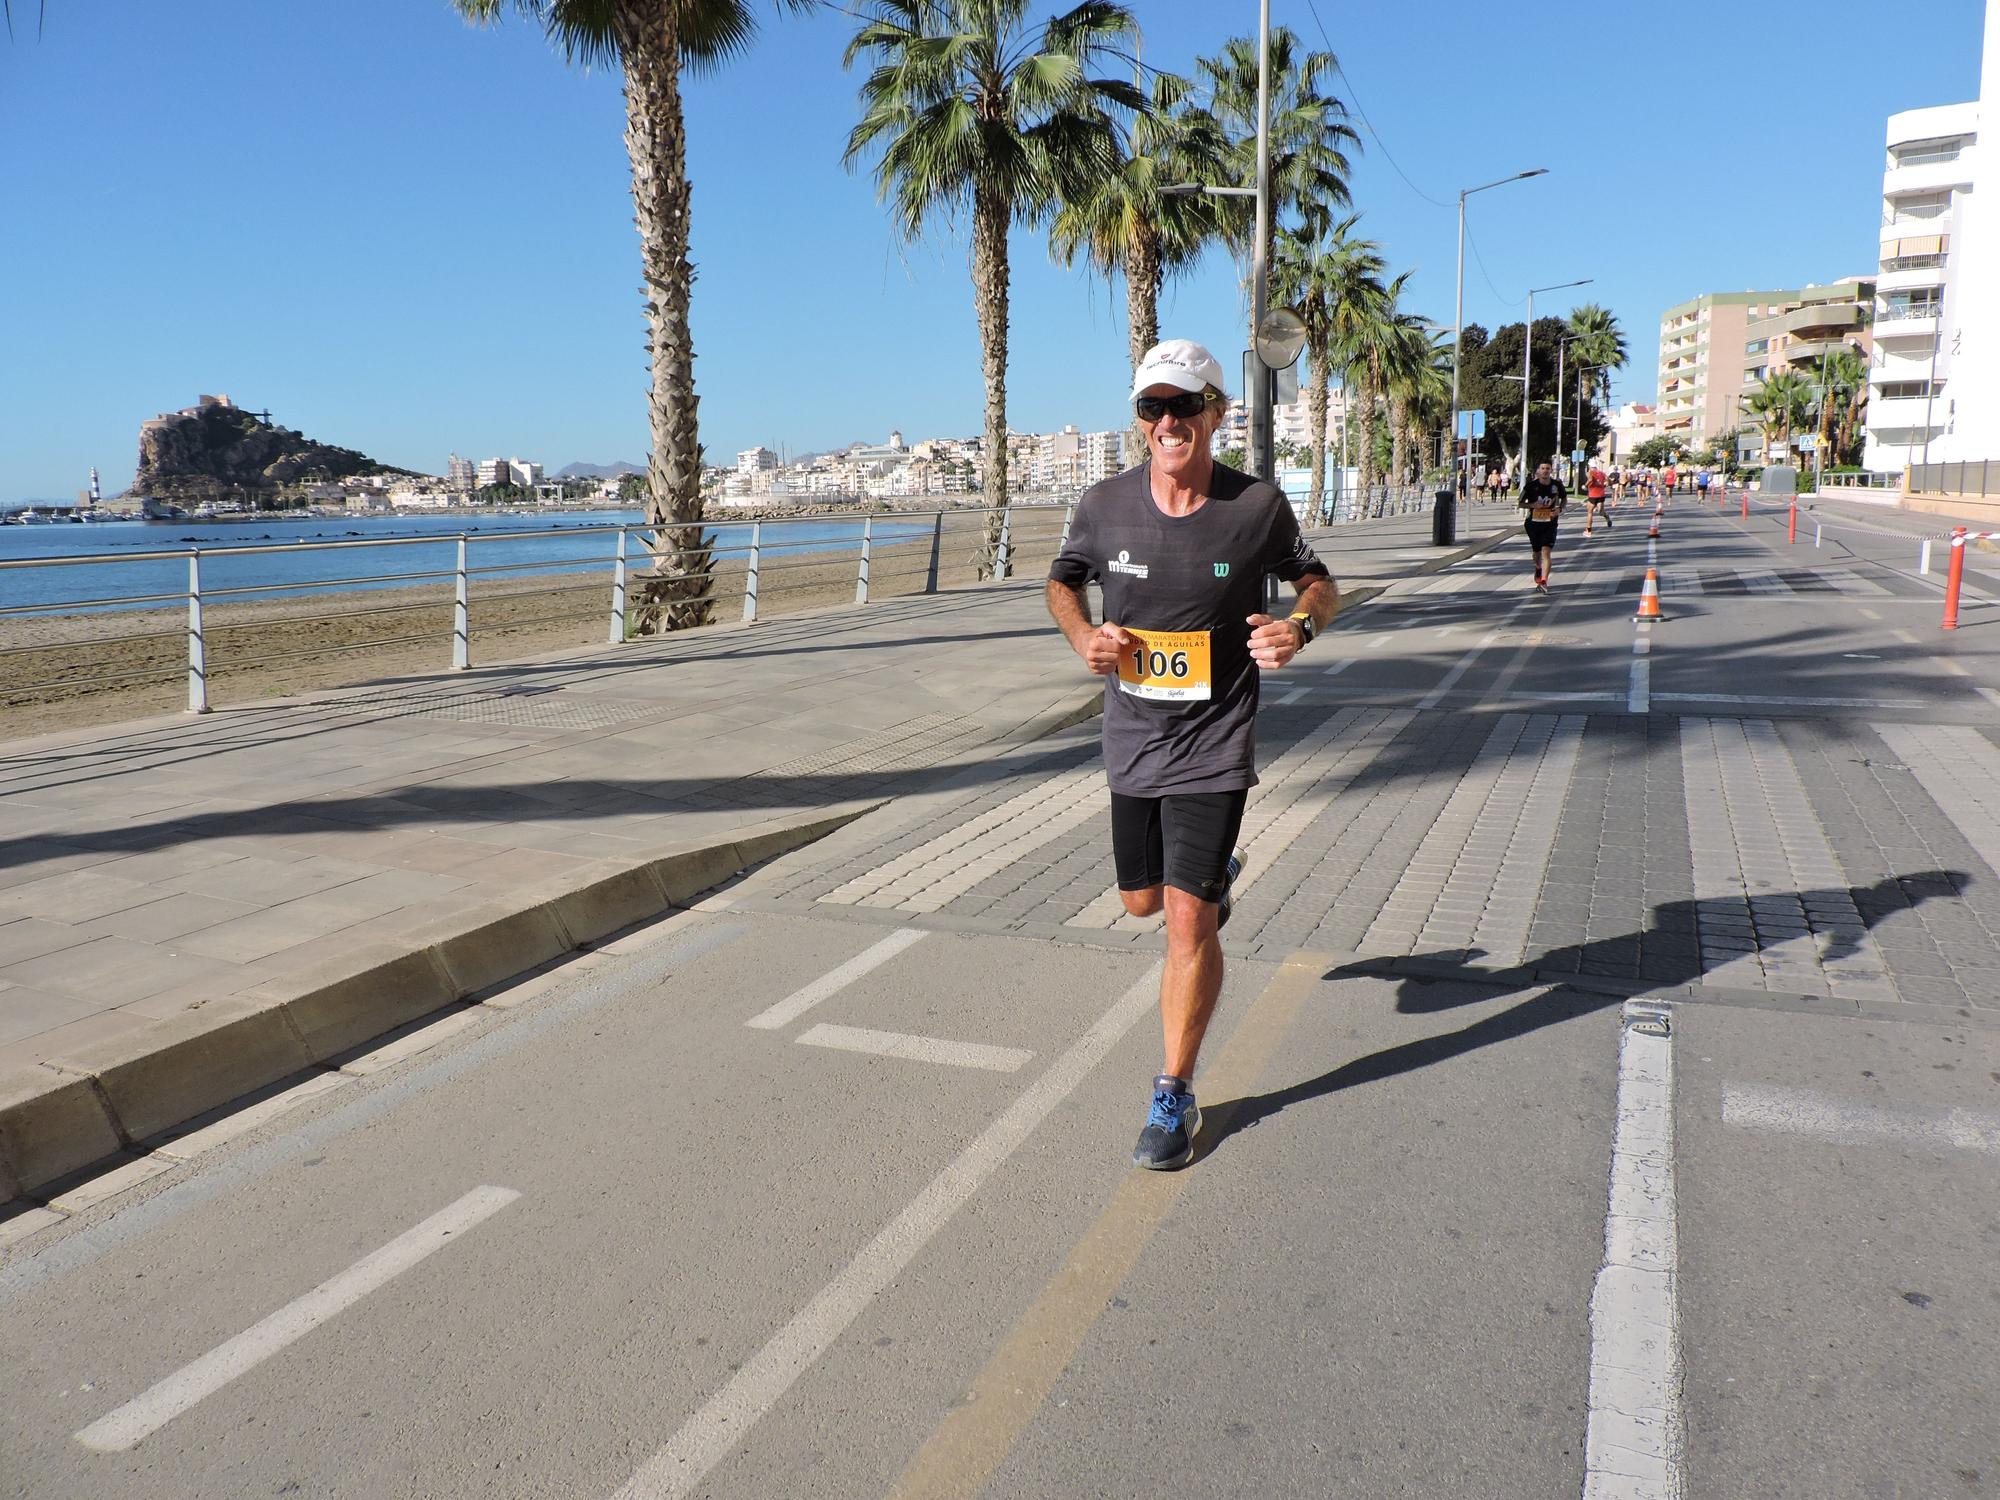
<point x="71" y="670"/>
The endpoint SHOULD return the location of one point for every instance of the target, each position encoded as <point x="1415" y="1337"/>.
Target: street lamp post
<point x="1527" y="370"/>
<point x="1262" y="459"/>
<point x="1458" y="308"/>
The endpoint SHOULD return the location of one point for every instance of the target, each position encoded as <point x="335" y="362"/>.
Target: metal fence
<point x="890" y="554"/>
<point x="1980" y="478"/>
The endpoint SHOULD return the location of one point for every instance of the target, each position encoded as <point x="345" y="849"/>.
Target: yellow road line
<point x="979" y="1432"/>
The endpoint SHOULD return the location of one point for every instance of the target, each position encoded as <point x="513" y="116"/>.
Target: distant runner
<point x="1668" y="482"/>
<point x="1593" y="494"/>
<point x="1543" y="498"/>
<point x="1701" y="484"/>
<point x="1181" y="546"/>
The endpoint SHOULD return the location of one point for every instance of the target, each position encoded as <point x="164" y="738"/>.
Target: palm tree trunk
<point x="676" y="593"/>
<point x="1142" y="301"/>
<point x="1365" y="461"/>
<point x="1399" y="439"/>
<point x="1318" y="374"/>
<point x="989" y="283"/>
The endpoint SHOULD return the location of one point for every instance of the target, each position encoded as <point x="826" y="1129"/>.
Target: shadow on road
<point x="1554" y="1000"/>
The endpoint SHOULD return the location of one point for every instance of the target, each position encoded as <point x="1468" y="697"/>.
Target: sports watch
<point x="1306" y="631"/>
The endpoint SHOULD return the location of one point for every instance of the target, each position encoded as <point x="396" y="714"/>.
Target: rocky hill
<point x="216" y="450"/>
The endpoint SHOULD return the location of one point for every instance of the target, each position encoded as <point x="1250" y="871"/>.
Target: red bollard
<point x="1746" y="505"/>
<point x="1792" y="526"/>
<point x="1953" y="576"/>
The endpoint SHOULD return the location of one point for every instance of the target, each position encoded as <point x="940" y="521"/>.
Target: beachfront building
<point x="521" y="472"/>
<point x="490" y="471"/>
<point x="1702" y="346"/>
<point x="1934" y="387"/>
<point x="458" y="473"/>
<point x="1796" y="341"/>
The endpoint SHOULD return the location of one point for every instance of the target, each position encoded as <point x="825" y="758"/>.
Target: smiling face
<point x="1179" y="445"/>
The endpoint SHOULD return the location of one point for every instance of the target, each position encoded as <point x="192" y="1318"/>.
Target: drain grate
<point x="510" y="705"/>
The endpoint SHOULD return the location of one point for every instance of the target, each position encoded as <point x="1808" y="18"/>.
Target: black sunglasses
<point x="1187" y="405"/>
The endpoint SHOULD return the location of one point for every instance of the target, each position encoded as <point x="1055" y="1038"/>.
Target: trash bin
<point x="1444" y="520"/>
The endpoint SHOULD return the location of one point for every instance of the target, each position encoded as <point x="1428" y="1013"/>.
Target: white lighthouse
<point x="96" y="495"/>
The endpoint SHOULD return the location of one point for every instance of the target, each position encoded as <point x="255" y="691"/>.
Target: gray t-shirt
<point x="1168" y="726"/>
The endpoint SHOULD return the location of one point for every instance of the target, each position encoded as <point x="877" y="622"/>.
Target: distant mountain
<point x="599" y="471"/>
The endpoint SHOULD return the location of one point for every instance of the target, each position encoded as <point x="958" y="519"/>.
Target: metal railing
<point x="894" y="553"/>
<point x="1928" y="262"/>
<point x="1978" y="479"/>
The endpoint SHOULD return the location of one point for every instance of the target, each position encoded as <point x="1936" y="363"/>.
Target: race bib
<point x="1170" y="666"/>
<point x="1541" y="513"/>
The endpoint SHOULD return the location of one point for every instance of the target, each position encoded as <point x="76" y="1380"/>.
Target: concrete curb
<point x="62" y="1115"/>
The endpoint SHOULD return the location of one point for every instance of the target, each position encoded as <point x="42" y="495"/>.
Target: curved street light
<point x="1458" y="306"/>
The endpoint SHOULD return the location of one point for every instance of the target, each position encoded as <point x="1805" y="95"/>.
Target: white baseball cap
<point x="1180" y="363"/>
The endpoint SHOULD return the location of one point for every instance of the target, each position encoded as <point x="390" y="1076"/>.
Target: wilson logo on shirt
<point x="1123" y="563"/>
<point x="1222" y="570"/>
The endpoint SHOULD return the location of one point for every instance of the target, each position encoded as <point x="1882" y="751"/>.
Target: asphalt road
<point x="822" y="1189"/>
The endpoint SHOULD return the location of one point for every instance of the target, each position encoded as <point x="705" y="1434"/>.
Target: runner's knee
<point x="1142" y="903"/>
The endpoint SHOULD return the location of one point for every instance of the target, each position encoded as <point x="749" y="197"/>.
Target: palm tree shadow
<point x="1557" y="999"/>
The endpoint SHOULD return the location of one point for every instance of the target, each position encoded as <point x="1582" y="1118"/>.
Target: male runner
<point x="1181" y="546"/>
<point x="1543" y="498"/>
<point x="1593" y="494"/>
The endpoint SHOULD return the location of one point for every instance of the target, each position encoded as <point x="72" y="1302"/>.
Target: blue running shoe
<point x="1229" y="873"/>
<point x="1171" y="1125"/>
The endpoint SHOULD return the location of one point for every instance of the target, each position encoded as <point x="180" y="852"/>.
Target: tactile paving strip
<point x="525" y="707"/>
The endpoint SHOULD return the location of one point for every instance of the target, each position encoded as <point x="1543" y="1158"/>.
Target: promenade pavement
<point x="820" y="1187"/>
<point x="362" y="857"/>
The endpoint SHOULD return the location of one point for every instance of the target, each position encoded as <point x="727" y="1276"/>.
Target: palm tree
<point x="1598" y="340"/>
<point x="1335" y="285"/>
<point x="1123" y="224"/>
<point x="974" y="113"/>
<point x="1410" y="381"/>
<point x="1784" y="402"/>
<point x="1843" y="377"/>
<point x="1309" y="135"/>
<point x="652" y="43"/>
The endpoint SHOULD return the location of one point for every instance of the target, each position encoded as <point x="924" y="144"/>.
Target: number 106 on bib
<point x="1169" y="666"/>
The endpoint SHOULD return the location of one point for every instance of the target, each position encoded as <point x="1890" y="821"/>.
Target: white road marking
<point x="707" y="1436"/>
<point x="916" y="1048"/>
<point x="1464" y="664"/>
<point x="834" y="981"/>
<point x="1293" y="696"/>
<point x="145" y="1414"/>
<point x="1378" y="643"/>
<point x="1338" y="667"/>
<point x="1639" y="691"/>
<point x="1757" y="700"/>
<point x="1634" y="1438"/>
<point x="1832" y="1118"/>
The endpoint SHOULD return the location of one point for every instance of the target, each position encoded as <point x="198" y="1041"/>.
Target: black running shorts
<point x="1541" y="533"/>
<point x="1183" y="840"/>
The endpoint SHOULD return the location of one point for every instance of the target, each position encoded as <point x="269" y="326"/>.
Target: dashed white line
<point x="1634" y="1437"/>
<point x="706" y="1438"/>
<point x="1639" y="691"/>
<point x="929" y="1049"/>
<point x="1292" y="697"/>
<point x="1829" y="1117"/>
<point x="833" y="982"/>
<point x="147" y="1413"/>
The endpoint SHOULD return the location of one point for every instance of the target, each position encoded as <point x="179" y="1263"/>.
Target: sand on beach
<point x="67" y="671"/>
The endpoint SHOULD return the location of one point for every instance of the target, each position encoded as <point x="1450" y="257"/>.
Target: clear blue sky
<point x="408" y="236"/>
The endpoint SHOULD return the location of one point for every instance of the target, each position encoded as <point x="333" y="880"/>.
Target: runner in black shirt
<point x="1543" y="498"/>
<point x="1181" y="546"/>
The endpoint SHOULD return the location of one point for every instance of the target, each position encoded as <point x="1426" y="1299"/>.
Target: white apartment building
<point x="751" y="460"/>
<point x="492" y="471"/>
<point x="1934" y="383"/>
<point x="523" y="473"/>
<point x="458" y="473"/>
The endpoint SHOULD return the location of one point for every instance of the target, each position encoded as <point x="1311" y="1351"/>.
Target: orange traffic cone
<point x="1655" y="532"/>
<point x="1649" y="597"/>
